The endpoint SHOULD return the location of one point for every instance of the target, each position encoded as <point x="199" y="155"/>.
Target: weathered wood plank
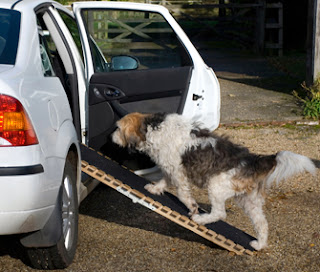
<point x="313" y="42"/>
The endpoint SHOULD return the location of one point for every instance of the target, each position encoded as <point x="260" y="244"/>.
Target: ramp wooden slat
<point x="149" y="202"/>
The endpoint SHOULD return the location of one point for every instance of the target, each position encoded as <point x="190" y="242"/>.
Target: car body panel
<point x="29" y="200"/>
<point x="4" y="68"/>
<point x="7" y="4"/>
<point x="14" y="222"/>
<point x="79" y="66"/>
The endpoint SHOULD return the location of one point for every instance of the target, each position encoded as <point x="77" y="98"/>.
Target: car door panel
<point x="101" y="118"/>
<point x="170" y="70"/>
<point x="140" y="84"/>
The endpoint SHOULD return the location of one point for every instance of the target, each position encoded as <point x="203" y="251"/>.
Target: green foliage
<point x="311" y="103"/>
<point x="64" y="2"/>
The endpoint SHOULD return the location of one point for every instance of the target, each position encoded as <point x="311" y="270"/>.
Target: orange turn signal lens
<point x="14" y="121"/>
<point x="15" y="126"/>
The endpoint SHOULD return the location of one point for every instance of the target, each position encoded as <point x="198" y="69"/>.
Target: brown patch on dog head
<point x="131" y="130"/>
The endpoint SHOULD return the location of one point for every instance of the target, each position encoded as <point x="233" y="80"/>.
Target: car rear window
<point x="9" y="35"/>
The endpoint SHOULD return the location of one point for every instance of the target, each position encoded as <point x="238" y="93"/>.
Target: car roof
<point x="22" y="5"/>
<point x="6" y="4"/>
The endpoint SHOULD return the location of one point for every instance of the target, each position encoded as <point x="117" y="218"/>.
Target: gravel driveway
<point x="117" y="235"/>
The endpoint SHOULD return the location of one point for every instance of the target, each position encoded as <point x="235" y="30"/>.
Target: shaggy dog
<point x="188" y="154"/>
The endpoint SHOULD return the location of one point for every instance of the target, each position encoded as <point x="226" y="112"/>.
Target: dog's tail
<point x="289" y="164"/>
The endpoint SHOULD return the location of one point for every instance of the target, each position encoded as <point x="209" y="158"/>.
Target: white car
<point x="65" y="78"/>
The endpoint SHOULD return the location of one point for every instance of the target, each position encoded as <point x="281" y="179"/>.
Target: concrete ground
<point x="252" y="90"/>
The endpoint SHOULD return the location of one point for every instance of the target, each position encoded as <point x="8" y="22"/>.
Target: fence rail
<point x="251" y="17"/>
<point x="246" y="23"/>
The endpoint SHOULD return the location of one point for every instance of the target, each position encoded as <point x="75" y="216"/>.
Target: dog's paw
<point x="257" y="246"/>
<point x="202" y="219"/>
<point x="194" y="210"/>
<point x="154" y="189"/>
<point x="197" y="218"/>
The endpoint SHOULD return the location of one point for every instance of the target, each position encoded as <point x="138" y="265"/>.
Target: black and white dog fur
<point x="189" y="154"/>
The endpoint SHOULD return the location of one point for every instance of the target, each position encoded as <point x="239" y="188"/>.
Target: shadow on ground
<point x="255" y="88"/>
<point x="10" y="245"/>
<point x="280" y="74"/>
<point x="107" y="204"/>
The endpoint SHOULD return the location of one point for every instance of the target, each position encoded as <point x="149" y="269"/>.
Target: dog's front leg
<point x="158" y="188"/>
<point x="185" y="196"/>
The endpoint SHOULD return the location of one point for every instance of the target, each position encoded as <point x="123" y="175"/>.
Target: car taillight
<point x="15" y="126"/>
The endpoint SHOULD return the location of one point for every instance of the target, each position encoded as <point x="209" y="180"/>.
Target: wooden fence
<point x="129" y="32"/>
<point x="256" y="25"/>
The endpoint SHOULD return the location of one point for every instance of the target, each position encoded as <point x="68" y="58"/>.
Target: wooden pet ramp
<point x="129" y="184"/>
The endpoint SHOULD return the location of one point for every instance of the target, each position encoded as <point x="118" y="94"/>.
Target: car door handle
<point x="112" y="93"/>
<point x="101" y="92"/>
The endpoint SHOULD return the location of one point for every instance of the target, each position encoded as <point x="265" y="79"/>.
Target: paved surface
<point x="251" y="89"/>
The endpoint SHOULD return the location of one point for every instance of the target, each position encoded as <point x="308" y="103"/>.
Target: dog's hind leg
<point x="219" y="190"/>
<point x="253" y="206"/>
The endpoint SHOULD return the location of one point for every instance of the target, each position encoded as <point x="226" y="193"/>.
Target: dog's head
<point x="131" y="130"/>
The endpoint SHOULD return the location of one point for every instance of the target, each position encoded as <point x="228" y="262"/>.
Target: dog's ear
<point x="136" y="130"/>
<point x="143" y="129"/>
<point x="134" y="140"/>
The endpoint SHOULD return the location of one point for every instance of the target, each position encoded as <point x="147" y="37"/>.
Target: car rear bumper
<point x="21" y="170"/>
<point x="29" y="186"/>
<point x="26" y="202"/>
<point x="24" y="221"/>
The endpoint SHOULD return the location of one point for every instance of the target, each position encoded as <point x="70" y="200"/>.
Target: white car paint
<point x="27" y="201"/>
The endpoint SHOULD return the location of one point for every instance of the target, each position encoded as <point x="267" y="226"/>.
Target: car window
<point x="73" y="28"/>
<point x="52" y="64"/>
<point x="45" y="53"/>
<point x="47" y="50"/>
<point x="146" y="36"/>
<point x="9" y="35"/>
